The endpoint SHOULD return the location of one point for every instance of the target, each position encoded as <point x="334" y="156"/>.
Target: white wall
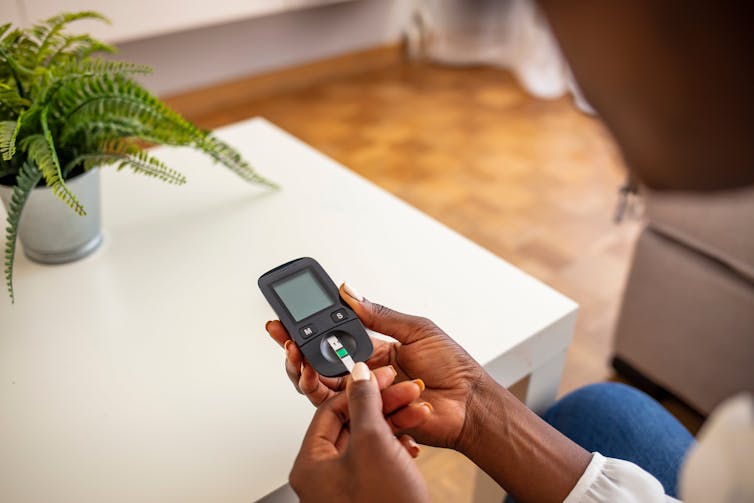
<point x="205" y="56"/>
<point x="11" y="11"/>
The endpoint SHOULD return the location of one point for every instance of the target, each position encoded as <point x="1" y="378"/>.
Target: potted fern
<point x="64" y="113"/>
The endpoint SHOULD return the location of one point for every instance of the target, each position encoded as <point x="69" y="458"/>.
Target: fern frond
<point x="11" y="100"/>
<point x="228" y="156"/>
<point x="38" y="149"/>
<point x="26" y="115"/>
<point x="7" y="143"/>
<point x="80" y="76"/>
<point x="99" y="66"/>
<point x="76" y="48"/>
<point x="92" y="136"/>
<point x="48" y="33"/>
<point x="3" y="29"/>
<point x="131" y="157"/>
<point x="122" y="101"/>
<point x="10" y="39"/>
<point x="143" y="122"/>
<point x="28" y="178"/>
<point x="123" y="107"/>
<point x="15" y="70"/>
<point x="59" y="21"/>
<point x="145" y="164"/>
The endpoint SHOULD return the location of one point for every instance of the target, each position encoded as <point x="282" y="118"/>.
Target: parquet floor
<point x="533" y="181"/>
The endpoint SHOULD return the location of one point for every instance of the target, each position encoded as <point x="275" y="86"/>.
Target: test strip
<point x="341" y="352"/>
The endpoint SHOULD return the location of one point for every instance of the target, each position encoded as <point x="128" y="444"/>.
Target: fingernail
<point x="287" y="344"/>
<point x="420" y="383"/>
<point x="267" y="325"/>
<point x="361" y="372"/>
<point x="392" y="369"/>
<point x="352" y="293"/>
<point x="428" y="406"/>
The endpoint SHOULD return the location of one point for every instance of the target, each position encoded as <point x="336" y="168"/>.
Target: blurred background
<point x="463" y="108"/>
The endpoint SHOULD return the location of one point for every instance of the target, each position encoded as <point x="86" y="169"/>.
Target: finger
<point x="334" y="383"/>
<point x="365" y="403"/>
<point x="312" y="387"/>
<point x="382" y="353"/>
<point x="277" y="331"/>
<point x="402" y="327"/>
<point x="401" y="394"/>
<point x="322" y="435"/>
<point x="362" y="397"/>
<point x="411" y="416"/>
<point x="384" y="377"/>
<point x="293" y="361"/>
<point x="408" y="443"/>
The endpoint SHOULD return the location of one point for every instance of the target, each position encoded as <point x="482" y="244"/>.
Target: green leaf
<point x="231" y="159"/>
<point x="38" y="149"/>
<point x="76" y="48"/>
<point x="144" y="164"/>
<point x="4" y="28"/>
<point x="26" y="116"/>
<point x="99" y="66"/>
<point x="28" y="178"/>
<point x="7" y="143"/>
<point x="11" y="100"/>
<point x="138" y="161"/>
<point x="48" y="32"/>
<point x="16" y="70"/>
<point x="77" y="76"/>
<point x="121" y="107"/>
<point x="118" y="100"/>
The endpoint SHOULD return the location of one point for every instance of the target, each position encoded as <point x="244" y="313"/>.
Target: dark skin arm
<point x="521" y="452"/>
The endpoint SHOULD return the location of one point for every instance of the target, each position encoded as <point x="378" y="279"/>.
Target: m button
<point x="339" y="315"/>
<point x="308" y="331"/>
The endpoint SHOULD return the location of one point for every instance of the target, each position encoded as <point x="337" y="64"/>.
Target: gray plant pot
<point x="51" y="232"/>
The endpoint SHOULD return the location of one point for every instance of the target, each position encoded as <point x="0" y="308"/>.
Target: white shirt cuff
<point x="617" y="481"/>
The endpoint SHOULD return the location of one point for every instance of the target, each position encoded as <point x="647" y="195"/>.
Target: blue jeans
<point x="621" y="422"/>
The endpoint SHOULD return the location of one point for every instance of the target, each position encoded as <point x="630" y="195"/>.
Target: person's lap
<point x="621" y="422"/>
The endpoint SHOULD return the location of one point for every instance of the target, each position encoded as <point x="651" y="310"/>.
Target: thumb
<point x="364" y="402"/>
<point x="405" y="328"/>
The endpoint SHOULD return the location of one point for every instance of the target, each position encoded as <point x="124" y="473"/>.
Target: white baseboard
<point x="206" y="56"/>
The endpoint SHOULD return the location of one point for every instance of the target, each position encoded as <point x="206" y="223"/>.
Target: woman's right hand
<point x="422" y="351"/>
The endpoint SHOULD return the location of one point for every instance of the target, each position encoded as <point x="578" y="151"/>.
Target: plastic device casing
<point x="310" y="334"/>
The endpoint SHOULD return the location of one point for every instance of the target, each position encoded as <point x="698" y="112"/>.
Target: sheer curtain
<point x="512" y="34"/>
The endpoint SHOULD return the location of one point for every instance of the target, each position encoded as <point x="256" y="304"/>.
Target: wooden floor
<point x="533" y="181"/>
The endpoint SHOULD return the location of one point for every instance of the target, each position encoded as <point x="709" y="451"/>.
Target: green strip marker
<point x="342" y="352"/>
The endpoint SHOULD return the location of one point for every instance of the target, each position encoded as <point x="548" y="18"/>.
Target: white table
<point x="143" y="373"/>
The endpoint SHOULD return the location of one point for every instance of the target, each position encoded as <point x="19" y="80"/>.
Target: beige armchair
<point x="687" y="318"/>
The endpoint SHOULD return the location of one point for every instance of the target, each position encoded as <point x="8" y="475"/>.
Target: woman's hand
<point x="422" y="352"/>
<point x="350" y="453"/>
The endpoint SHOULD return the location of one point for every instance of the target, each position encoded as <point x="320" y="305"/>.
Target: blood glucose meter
<point x="321" y="324"/>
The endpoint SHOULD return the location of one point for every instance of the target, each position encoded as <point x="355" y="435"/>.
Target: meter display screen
<point x="302" y="295"/>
